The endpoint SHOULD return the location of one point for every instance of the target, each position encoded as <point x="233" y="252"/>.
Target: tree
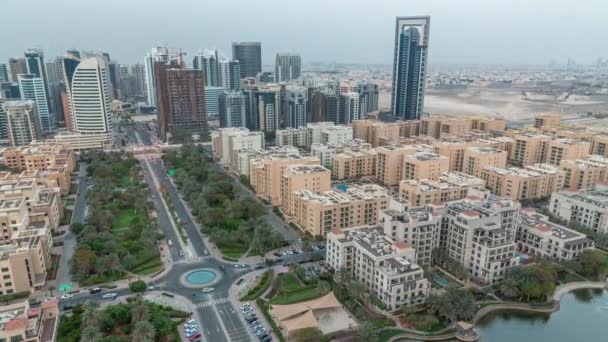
<point x="139" y="311"/>
<point x="454" y="305"/>
<point x="508" y="287"/>
<point x="138" y="286"/>
<point x="76" y="228"/>
<point x="83" y="261"/>
<point x="306" y="244"/>
<point x="367" y="333"/>
<point x="89" y="315"/>
<point x="90" y="334"/>
<point x="51" y="289"/>
<point x="143" y="331"/>
<point x="592" y="262"/>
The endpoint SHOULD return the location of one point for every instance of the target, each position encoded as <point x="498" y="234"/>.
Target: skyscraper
<point x="4" y="141"/>
<point x="18" y="66"/>
<point x="35" y="63"/>
<point x="207" y="60"/>
<point x="69" y="63"/>
<point x="156" y="55"/>
<point x="32" y="88"/>
<point x="249" y="55"/>
<point x="4" y="75"/>
<point x="91" y="97"/>
<point x="409" y="68"/>
<point x="368" y="94"/>
<point x="138" y="71"/>
<point x="296" y="106"/>
<point x="180" y="97"/>
<point x="229" y="75"/>
<point x="212" y="98"/>
<point x="350" y="108"/>
<point x="20" y="122"/>
<point x="268" y="108"/>
<point x="233" y="109"/>
<point x="287" y="67"/>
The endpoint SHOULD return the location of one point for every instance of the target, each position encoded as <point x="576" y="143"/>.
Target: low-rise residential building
<point x="293" y="137"/>
<point x="82" y="142"/>
<point x="419" y="228"/>
<point x="385" y="267"/>
<point x="450" y="186"/>
<point x="372" y="131"/>
<point x="599" y="145"/>
<point x="478" y="158"/>
<point x="227" y="143"/>
<point x="546" y="120"/>
<point x="314" y="130"/>
<point x="336" y="135"/>
<point x="39" y="156"/>
<point x="533" y="181"/>
<point x="356" y="206"/>
<point x="354" y="164"/>
<point x="20" y="322"/>
<point x="501" y="143"/>
<point x="326" y="153"/>
<point x="536" y="235"/>
<point x="583" y="174"/>
<point x="477" y="238"/>
<point x="244" y="156"/>
<point x="530" y="148"/>
<point x="389" y="164"/>
<point x="424" y="165"/>
<point x="588" y="208"/>
<point x="454" y="151"/>
<point x="266" y="173"/>
<point x="566" y="149"/>
<point x="314" y="178"/>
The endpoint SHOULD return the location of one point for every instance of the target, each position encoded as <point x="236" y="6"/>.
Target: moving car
<point x="240" y="265"/>
<point x="110" y="295"/>
<point x="67" y="296"/>
<point x="207" y="289"/>
<point x="95" y="290"/>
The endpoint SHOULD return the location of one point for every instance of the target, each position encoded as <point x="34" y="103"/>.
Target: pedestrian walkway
<point x="190" y="260"/>
<point x="212" y="302"/>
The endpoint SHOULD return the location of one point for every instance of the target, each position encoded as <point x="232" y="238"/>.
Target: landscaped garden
<point x="231" y="221"/>
<point x="134" y="321"/>
<point x="120" y="237"/>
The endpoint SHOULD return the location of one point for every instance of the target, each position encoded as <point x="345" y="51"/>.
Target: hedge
<point x="261" y="287"/>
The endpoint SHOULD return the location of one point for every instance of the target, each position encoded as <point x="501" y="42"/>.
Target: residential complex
<point x="21" y="322"/>
<point x="387" y="268"/>
<point x="587" y="208"/>
<point x="532" y="181"/>
<point x="449" y="186"/>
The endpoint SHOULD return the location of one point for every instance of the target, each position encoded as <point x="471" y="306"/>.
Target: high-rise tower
<point x="156" y="55"/>
<point x="91" y="97"/>
<point x="287" y="67"/>
<point x="32" y="88"/>
<point x="249" y="55"/>
<point x="409" y="68"/>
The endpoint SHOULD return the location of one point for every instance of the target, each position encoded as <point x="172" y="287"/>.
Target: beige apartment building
<point x="599" y="145"/>
<point x="24" y="262"/>
<point x="416" y="140"/>
<point x="20" y="322"/>
<point x="292" y="137"/>
<point x="566" y="149"/>
<point x="588" y="208"/>
<point x="487" y="124"/>
<point x="501" y="143"/>
<point x="424" y="165"/>
<point x="454" y="151"/>
<point x="583" y="174"/>
<point x="450" y="186"/>
<point x="372" y="131"/>
<point x="14" y="218"/>
<point x="438" y="125"/>
<point x="318" y="214"/>
<point x="546" y="120"/>
<point x="314" y="178"/>
<point x="266" y="174"/>
<point x="530" y="148"/>
<point x="389" y="165"/>
<point x="387" y="268"/>
<point x="478" y="158"/>
<point x="533" y="181"/>
<point x="355" y="164"/>
<point x="39" y="156"/>
<point x="536" y="235"/>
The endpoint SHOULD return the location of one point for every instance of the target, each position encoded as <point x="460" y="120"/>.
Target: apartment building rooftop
<point x="529" y="171"/>
<point x="418" y="215"/>
<point x="304" y="169"/>
<point x="446" y="180"/>
<point x="426" y="155"/>
<point x="484" y="149"/>
<point x="597" y="196"/>
<point x="11" y="204"/>
<point x="355" y="193"/>
<point x="541" y="225"/>
<point x="373" y="240"/>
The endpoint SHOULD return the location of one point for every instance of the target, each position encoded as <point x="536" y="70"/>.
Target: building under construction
<point x="180" y="102"/>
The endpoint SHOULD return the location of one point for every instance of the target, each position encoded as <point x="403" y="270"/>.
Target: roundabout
<point x="199" y="278"/>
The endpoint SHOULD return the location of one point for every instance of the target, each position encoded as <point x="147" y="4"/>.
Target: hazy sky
<point x="349" y="31"/>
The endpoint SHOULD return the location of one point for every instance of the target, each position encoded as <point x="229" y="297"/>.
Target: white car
<point x="67" y="296"/>
<point x="207" y="289"/>
<point x="110" y="295"/>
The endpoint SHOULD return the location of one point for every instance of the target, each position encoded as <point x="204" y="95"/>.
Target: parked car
<point x="195" y="336"/>
<point x="246" y="305"/>
<point x="240" y="265"/>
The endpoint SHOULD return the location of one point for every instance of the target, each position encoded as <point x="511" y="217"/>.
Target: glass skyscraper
<point x="409" y="68"/>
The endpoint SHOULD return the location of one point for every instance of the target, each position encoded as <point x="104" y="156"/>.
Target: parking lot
<point x="254" y="319"/>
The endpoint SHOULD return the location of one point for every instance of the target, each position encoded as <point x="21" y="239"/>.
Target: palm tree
<point x="143" y="332"/>
<point x="357" y="289"/>
<point x="464" y="307"/>
<point x="89" y="315"/>
<point x="90" y="334"/>
<point x="139" y="311"/>
<point x="367" y="333"/>
<point x="508" y="287"/>
<point x="51" y="289"/>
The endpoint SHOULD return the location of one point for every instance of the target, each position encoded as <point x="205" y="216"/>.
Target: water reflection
<point x="582" y="316"/>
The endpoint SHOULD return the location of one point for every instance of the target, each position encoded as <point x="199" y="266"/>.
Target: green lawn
<point x="124" y="219"/>
<point x="69" y="201"/>
<point x="297" y="296"/>
<point x="232" y="252"/>
<point x="290" y="282"/>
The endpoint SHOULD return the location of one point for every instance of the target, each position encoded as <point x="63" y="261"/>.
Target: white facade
<point x="588" y="208"/>
<point x="91" y="98"/>
<point x="33" y="88"/>
<point x="336" y="135"/>
<point x="292" y="136"/>
<point x="314" y="130"/>
<point x="157" y="54"/>
<point x="385" y="267"/>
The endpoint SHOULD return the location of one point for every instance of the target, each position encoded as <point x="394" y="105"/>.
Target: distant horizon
<point x="516" y="32"/>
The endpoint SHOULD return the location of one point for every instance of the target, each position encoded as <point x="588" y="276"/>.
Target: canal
<point x="583" y="316"/>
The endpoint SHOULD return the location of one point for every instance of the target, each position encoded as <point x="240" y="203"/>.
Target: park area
<point x="232" y="221"/>
<point x="120" y="238"/>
